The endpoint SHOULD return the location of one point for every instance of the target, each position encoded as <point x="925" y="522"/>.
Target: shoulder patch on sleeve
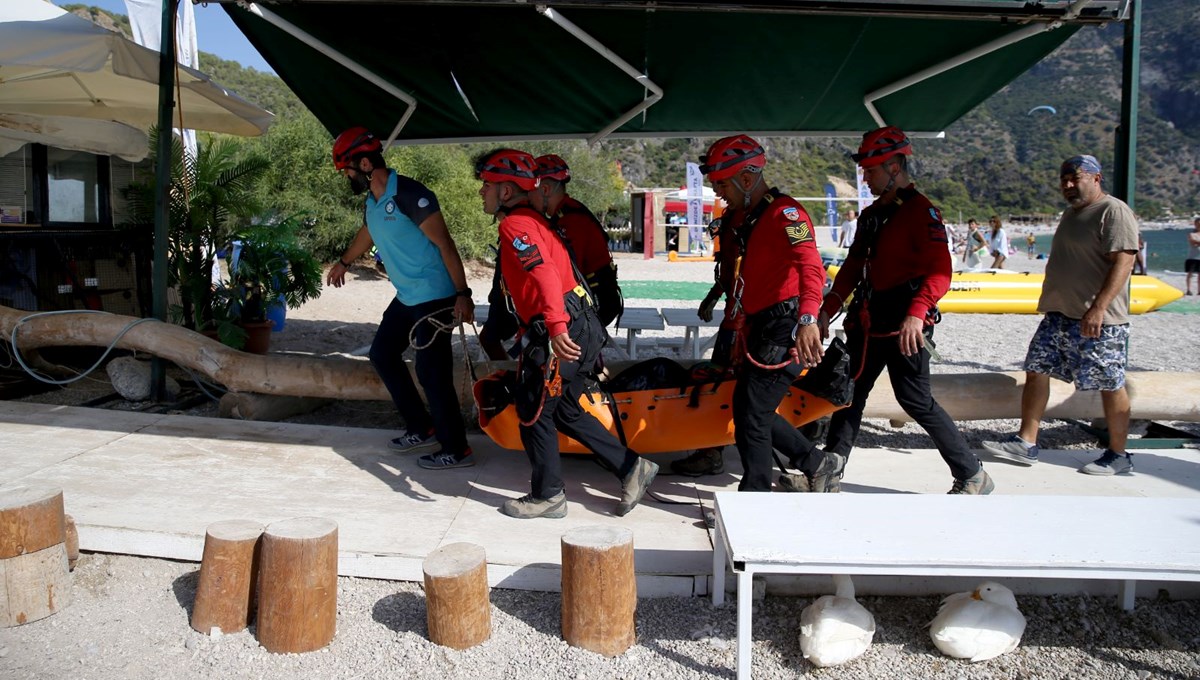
<point x="527" y="252"/>
<point x="798" y="232"/>
<point x="791" y="214"/>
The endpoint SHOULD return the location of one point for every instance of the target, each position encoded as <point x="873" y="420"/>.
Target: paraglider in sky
<point x="1043" y="107"/>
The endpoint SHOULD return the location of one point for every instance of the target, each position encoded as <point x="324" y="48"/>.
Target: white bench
<point x="634" y="320"/>
<point x="1128" y="539"/>
<point x="692" y="323"/>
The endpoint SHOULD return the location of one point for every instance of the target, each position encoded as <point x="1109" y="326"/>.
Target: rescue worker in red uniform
<point x="897" y="269"/>
<point x="711" y="460"/>
<point x="587" y="244"/>
<point x="560" y="342"/>
<point x="778" y="289"/>
<point x="585" y="237"/>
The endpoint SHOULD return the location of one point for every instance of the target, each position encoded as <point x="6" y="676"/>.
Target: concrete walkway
<point x="149" y="485"/>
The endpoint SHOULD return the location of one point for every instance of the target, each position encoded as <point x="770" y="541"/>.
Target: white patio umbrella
<point x="55" y="66"/>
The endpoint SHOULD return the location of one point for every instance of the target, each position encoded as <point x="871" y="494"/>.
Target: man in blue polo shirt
<point x="402" y="220"/>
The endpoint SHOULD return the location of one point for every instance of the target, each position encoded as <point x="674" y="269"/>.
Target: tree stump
<point x="225" y="594"/>
<point x="297" y="585"/>
<point x="456" y="596"/>
<point x="72" y="542"/>
<point x="34" y="578"/>
<point x="599" y="590"/>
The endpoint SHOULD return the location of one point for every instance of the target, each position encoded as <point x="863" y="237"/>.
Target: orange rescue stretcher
<point x="679" y="417"/>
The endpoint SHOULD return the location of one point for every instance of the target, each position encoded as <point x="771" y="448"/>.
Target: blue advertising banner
<point x="831" y="211"/>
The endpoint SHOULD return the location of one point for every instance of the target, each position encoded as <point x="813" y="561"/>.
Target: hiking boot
<point x="791" y="483"/>
<point x="710" y="461"/>
<point x="1015" y="449"/>
<point x="1111" y="463"/>
<point x="634" y="486"/>
<point x="828" y="477"/>
<point x="528" y="507"/>
<point x="446" y="461"/>
<point x="411" y="442"/>
<point x="979" y="484"/>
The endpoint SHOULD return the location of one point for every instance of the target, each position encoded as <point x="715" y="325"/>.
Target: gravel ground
<point x="129" y="618"/>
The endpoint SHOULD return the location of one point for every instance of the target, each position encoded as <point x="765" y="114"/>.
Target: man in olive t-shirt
<point x="1085" y="331"/>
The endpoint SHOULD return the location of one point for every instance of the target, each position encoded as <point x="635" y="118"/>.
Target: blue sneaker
<point x="1111" y="463"/>
<point x="412" y="442"/>
<point x="446" y="461"/>
<point x="1015" y="449"/>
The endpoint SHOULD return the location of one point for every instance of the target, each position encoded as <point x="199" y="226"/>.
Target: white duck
<point x="978" y="625"/>
<point x="836" y="628"/>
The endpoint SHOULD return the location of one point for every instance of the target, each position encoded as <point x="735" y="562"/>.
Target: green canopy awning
<point x="515" y="70"/>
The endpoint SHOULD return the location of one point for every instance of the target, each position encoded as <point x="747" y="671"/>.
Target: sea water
<point x="1166" y="248"/>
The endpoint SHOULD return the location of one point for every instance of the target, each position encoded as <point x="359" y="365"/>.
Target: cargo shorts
<point x="1059" y="350"/>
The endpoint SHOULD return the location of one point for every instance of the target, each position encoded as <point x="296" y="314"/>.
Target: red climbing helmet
<point x="353" y="143"/>
<point x="881" y="144"/>
<point x="730" y="155"/>
<point x="509" y="165"/>
<point x="553" y="167"/>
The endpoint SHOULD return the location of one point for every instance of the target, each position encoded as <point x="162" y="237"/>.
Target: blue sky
<point x="215" y="33"/>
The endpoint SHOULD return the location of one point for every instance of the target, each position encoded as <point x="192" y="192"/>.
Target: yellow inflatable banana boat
<point x="1005" y="292"/>
<point x="674" y="418"/>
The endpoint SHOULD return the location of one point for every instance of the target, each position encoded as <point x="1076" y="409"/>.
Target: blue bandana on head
<point x="1085" y="163"/>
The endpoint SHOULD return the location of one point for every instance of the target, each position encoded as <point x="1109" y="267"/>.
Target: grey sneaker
<point x="446" y="461"/>
<point x="828" y="477"/>
<point x="528" y="507"/>
<point x="1015" y="449"/>
<point x="792" y="483"/>
<point x="1111" y="463"/>
<point x="411" y="442"/>
<point x="979" y="484"/>
<point x="710" y="461"/>
<point x="634" y="486"/>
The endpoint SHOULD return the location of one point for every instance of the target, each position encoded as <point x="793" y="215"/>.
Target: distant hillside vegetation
<point x="1000" y="158"/>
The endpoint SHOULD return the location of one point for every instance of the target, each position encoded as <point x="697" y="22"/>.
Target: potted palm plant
<point x="210" y="194"/>
<point x="271" y="268"/>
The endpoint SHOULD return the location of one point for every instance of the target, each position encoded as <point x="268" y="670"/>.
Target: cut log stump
<point x="225" y="594"/>
<point x="456" y="596"/>
<point x="599" y="590"/>
<point x="297" y="585"/>
<point x="35" y="581"/>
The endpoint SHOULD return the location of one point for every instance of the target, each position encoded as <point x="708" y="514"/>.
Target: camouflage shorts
<point x="1060" y="351"/>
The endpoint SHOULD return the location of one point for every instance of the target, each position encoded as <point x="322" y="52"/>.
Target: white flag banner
<point x="145" y="20"/>
<point x="695" y="195"/>
<point x="865" y="198"/>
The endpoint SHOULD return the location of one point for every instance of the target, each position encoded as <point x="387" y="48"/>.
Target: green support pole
<point x="1125" y="173"/>
<point x="166" y="102"/>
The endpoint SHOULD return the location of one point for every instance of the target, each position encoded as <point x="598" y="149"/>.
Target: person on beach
<point x="976" y="243"/>
<point x="403" y="221"/>
<point x="1030" y="244"/>
<point x="711" y="460"/>
<point x="778" y="289"/>
<point x="1084" y="335"/>
<point x="1143" y="253"/>
<point x="849" y="228"/>
<point x="897" y="270"/>
<point x="1192" y="264"/>
<point x="560" y="343"/>
<point x="997" y="243"/>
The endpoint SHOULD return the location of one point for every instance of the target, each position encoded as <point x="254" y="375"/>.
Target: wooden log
<point x="31" y="519"/>
<point x="225" y="594"/>
<point x="599" y="590"/>
<point x="35" y="580"/>
<point x="269" y="407"/>
<point x="72" y="541"/>
<point x="297" y="585"/>
<point x="457" y="608"/>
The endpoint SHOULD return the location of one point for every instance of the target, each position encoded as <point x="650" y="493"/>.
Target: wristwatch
<point x="465" y="292"/>
<point x="807" y="319"/>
